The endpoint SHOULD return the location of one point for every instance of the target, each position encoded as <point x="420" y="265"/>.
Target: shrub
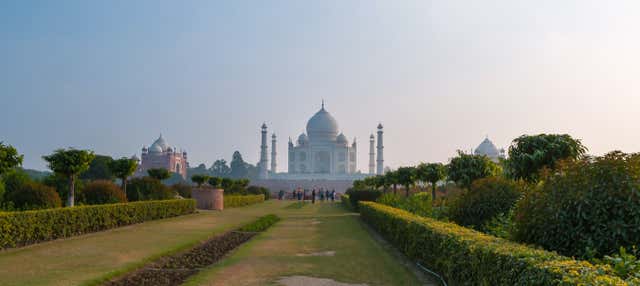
<point x="241" y="201"/>
<point x="103" y="192"/>
<point x="362" y="195"/>
<point x="418" y="204"/>
<point x="467" y="257"/>
<point x="390" y="199"/>
<point x="33" y="196"/>
<point x="589" y="205"/>
<point x="261" y="224"/>
<point x="147" y="188"/>
<point x="256" y="190"/>
<point x="28" y="227"/>
<point x="485" y="199"/>
<point x="182" y="189"/>
<point x="346" y="202"/>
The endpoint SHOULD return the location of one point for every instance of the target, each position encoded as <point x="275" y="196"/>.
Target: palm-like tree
<point x="406" y="176"/>
<point x="431" y="173"/>
<point x="123" y="168"/>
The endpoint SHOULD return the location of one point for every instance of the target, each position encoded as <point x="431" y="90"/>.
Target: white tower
<point x="273" y="153"/>
<point x="380" y="160"/>
<point x="264" y="161"/>
<point x="372" y="156"/>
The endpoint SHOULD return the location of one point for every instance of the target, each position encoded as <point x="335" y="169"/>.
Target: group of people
<point x="301" y="195"/>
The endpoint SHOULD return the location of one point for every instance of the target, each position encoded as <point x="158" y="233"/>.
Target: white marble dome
<point x="322" y="127"/>
<point x="488" y="149"/>
<point x="159" y="146"/>
<point x="341" y="139"/>
<point x="303" y="139"/>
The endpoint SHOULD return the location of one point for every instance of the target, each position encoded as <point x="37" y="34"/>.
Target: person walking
<point x="313" y="196"/>
<point x="333" y="195"/>
<point x="326" y="194"/>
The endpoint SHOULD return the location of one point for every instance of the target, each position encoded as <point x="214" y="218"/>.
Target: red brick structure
<point x="208" y="198"/>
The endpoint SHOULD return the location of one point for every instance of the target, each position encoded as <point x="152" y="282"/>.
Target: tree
<point x="391" y="178"/>
<point x="199" y="179"/>
<point x="239" y="168"/>
<point x="123" y="168"/>
<point x="406" y="176"/>
<point x="159" y="174"/>
<point x="466" y="168"/>
<point x="530" y="154"/>
<point x="431" y="173"/>
<point x="215" y="182"/>
<point x="99" y="169"/>
<point x="220" y="168"/>
<point x="9" y="158"/>
<point x="69" y="163"/>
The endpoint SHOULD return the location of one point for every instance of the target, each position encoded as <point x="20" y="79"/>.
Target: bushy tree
<point x="159" y="174"/>
<point x="147" y="188"/>
<point x="586" y="206"/>
<point x="182" y="189"/>
<point x="485" y="199"/>
<point x="391" y="178"/>
<point x="466" y="168"/>
<point x="530" y="154"/>
<point x="220" y="168"/>
<point x="69" y="163"/>
<point x="9" y="158"/>
<point x="33" y="195"/>
<point x="103" y="192"/>
<point x="98" y="169"/>
<point x="215" y="182"/>
<point x="406" y="176"/>
<point x="431" y="173"/>
<point x="199" y="179"/>
<point x="239" y="167"/>
<point x="123" y="168"/>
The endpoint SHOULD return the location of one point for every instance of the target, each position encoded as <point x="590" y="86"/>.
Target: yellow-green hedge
<point x="29" y="227"/>
<point x="241" y="201"/>
<point x="346" y="202"/>
<point x="467" y="257"/>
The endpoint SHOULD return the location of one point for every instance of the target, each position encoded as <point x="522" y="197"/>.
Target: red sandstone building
<point x="161" y="155"/>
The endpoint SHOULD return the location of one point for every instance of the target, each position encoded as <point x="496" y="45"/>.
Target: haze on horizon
<point x="440" y="75"/>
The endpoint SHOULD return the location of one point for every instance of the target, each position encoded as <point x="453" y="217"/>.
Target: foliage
<point x="199" y="179"/>
<point x="485" y="199"/>
<point x="69" y="163"/>
<point x="182" y="189"/>
<point x="585" y="205"/>
<point x="159" y="173"/>
<point x="220" y="168"/>
<point x="123" y="168"/>
<point x="103" y="192"/>
<point x="625" y="265"/>
<point x="241" y="201"/>
<point x="36" y="175"/>
<point x="406" y="176"/>
<point x="467" y="257"/>
<point x="530" y="154"/>
<point x="9" y="158"/>
<point x="356" y="195"/>
<point x="98" y="169"/>
<point x="29" y="227"/>
<point x="431" y="173"/>
<point x="61" y="185"/>
<point x="33" y="195"/>
<point x="261" y="224"/>
<point x="215" y="182"/>
<point x="418" y="204"/>
<point x="147" y="188"/>
<point x="257" y="190"/>
<point x="346" y="202"/>
<point x="239" y="168"/>
<point x="466" y="168"/>
<point x="14" y="180"/>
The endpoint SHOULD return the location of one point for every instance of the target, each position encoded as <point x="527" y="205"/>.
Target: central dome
<point x="322" y="127"/>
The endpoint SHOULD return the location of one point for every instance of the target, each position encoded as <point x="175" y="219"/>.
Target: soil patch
<point x="174" y="270"/>
<point x="312" y="281"/>
<point x="323" y="253"/>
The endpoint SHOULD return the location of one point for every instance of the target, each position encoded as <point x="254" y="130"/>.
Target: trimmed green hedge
<point x="346" y="202"/>
<point x="467" y="257"/>
<point x="241" y="201"/>
<point x="29" y="227"/>
<point x="261" y="224"/>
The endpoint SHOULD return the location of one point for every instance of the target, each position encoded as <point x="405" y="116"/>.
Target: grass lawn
<point x="321" y="228"/>
<point x="88" y="258"/>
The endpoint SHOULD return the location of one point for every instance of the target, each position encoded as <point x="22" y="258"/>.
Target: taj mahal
<point x="321" y="154"/>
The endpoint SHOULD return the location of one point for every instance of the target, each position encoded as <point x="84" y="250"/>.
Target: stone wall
<point x="208" y="198"/>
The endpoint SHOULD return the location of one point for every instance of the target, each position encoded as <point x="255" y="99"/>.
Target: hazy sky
<point x="440" y="75"/>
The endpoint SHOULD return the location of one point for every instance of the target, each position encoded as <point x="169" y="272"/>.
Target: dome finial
<point x="323" y="104"/>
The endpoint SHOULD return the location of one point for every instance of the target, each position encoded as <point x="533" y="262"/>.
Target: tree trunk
<point x="395" y="189"/>
<point x="433" y="192"/>
<point x="406" y="191"/>
<point x="124" y="186"/>
<point x="71" y="197"/>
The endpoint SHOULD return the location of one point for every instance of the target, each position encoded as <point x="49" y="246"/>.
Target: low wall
<point x="208" y="198"/>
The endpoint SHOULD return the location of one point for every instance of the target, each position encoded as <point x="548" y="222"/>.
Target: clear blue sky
<point x="440" y="75"/>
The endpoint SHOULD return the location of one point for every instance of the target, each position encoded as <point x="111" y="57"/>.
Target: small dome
<point x="169" y="149"/>
<point x="160" y="145"/>
<point x="322" y="126"/>
<point x="488" y="149"/>
<point x="155" y="148"/>
<point x="341" y="139"/>
<point x="303" y="139"/>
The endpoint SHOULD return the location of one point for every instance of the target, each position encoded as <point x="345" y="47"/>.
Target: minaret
<point x="264" y="161"/>
<point x="380" y="160"/>
<point x="372" y="156"/>
<point x="273" y="153"/>
<point x="290" y="168"/>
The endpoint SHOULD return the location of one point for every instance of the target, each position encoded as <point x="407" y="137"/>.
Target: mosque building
<point x="161" y="155"/>
<point x="487" y="148"/>
<point x="322" y="153"/>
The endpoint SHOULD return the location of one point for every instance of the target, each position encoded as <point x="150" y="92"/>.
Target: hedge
<point x="346" y="202"/>
<point x="467" y="257"/>
<point x="241" y="201"/>
<point x="29" y="227"/>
